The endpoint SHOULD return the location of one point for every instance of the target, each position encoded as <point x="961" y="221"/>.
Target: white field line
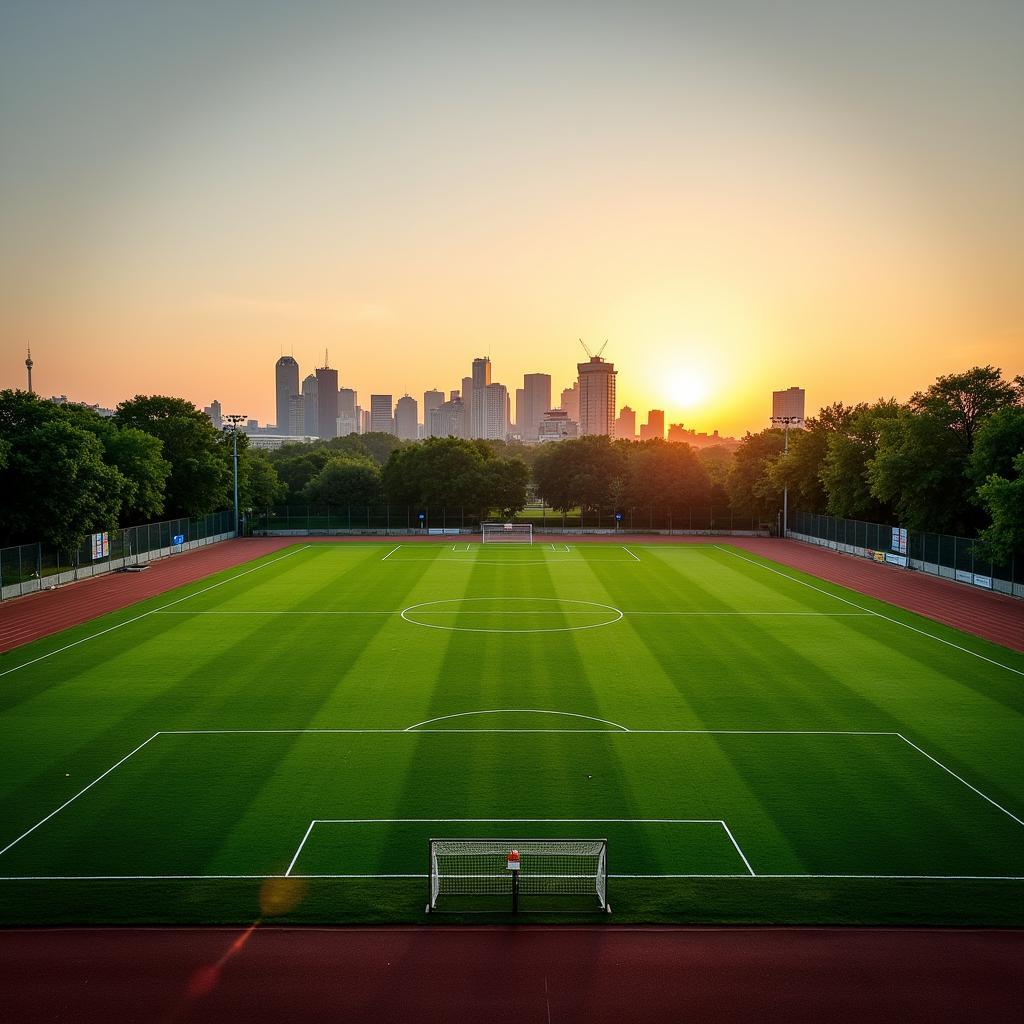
<point x="85" y="789"/>
<point x="960" y="779"/>
<point x="517" y="711"/>
<point x="732" y="839"/>
<point x="390" y="553"/>
<point x="318" y="611"/>
<point x="630" y="553"/>
<point x="914" y="629"/>
<point x="288" y="871"/>
<point x="617" y="731"/>
<point x="186" y="878"/>
<point x="153" y="611"/>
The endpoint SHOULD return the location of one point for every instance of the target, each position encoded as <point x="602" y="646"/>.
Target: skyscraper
<point x="431" y="400"/>
<point x="309" y="393"/>
<point x="655" y="425"/>
<point x="520" y="417"/>
<point x="537" y="401"/>
<point x="789" y="403"/>
<point x="570" y="402"/>
<point x="326" y="402"/>
<point x="495" y="406"/>
<point x="348" y="422"/>
<point x="296" y="415"/>
<point x="625" y="425"/>
<point x="597" y="396"/>
<point x="467" y="401"/>
<point x="407" y="418"/>
<point x="286" y="384"/>
<point x="449" y="419"/>
<point x="381" y="419"/>
<point x="213" y="410"/>
<point x="477" y="408"/>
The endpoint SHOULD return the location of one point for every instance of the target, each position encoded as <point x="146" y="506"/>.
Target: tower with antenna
<point x="28" y="366"/>
<point x="597" y="393"/>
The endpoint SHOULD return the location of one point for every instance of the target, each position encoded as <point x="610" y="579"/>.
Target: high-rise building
<point x="477" y="408"/>
<point x="449" y="419"/>
<point x="654" y="427"/>
<point x="537" y="401"/>
<point x="364" y="420"/>
<point x="496" y="412"/>
<point x="213" y="410"/>
<point x="309" y="393"/>
<point x="286" y="384"/>
<point x="597" y="396"/>
<point x="297" y="415"/>
<point x="789" y="403"/>
<point x="381" y="417"/>
<point x="467" y="401"/>
<point x="625" y="425"/>
<point x="347" y="421"/>
<point x="677" y="433"/>
<point x="520" y="416"/>
<point x="407" y="418"/>
<point x="570" y="402"/>
<point x="431" y="400"/>
<point x="326" y="402"/>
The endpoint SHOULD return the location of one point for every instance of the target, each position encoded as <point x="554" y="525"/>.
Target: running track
<point x="525" y="975"/>
<point x="994" y="617"/>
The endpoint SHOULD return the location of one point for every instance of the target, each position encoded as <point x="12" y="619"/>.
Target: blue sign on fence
<point x="179" y="539"/>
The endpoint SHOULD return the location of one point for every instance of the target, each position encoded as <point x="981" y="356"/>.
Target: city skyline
<point x="736" y="195"/>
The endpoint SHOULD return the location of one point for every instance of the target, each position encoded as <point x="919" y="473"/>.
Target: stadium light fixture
<point x="786" y="421"/>
<point x="234" y="421"/>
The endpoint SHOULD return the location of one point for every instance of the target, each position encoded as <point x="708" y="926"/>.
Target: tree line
<point x="951" y="459"/>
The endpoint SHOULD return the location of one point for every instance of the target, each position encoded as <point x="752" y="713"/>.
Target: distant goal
<point x="539" y="875"/>
<point x="507" y="533"/>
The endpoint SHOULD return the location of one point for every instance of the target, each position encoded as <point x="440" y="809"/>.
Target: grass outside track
<point x="824" y="718"/>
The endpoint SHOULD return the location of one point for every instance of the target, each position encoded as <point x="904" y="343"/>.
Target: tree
<point x="345" y="481"/>
<point x="505" y="483"/>
<point x="1003" y="499"/>
<point x="440" y="472"/>
<point x="583" y="472"/>
<point x="258" y="482"/>
<point x="88" y="493"/>
<point x="799" y="469"/>
<point x="296" y="465"/>
<point x="199" y="456"/>
<point x="665" y="476"/>
<point x="717" y="462"/>
<point x="844" y="470"/>
<point x="997" y="444"/>
<point x="377" y="445"/>
<point x="751" y="490"/>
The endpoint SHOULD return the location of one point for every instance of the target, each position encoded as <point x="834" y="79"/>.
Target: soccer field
<point x="283" y="739"/>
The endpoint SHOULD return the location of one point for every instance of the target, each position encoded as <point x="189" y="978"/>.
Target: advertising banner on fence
<point x="899" y="540"/>
<point x="100" y="545"/>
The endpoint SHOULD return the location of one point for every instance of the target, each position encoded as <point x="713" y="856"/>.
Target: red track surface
<point x="994" y="617"/>
<point x="529" y="975"/>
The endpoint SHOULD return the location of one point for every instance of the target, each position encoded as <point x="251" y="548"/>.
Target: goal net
<point x="467" y="872"/>
<point x="507" y="533"/>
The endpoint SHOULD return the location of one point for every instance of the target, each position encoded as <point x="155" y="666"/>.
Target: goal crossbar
<point x="506" y="533"/>
<point x="546" y="868"/>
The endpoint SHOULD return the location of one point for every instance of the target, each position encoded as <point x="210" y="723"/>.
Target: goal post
<point x="507" y="533"/>
<point x="539" y="874"/>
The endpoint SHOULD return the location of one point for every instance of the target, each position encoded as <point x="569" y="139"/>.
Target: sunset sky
<point x="739" y="196"/>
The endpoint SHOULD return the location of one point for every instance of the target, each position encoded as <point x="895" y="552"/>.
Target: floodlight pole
<point x="786" y="421"/>
<point x="234" y="421"/>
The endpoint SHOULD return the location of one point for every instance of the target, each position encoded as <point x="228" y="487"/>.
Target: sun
<point x="688" y="388"/>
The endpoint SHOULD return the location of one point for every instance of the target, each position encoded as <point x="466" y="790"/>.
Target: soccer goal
<point x="507" y="533"/>
<point x="497" y="874"/>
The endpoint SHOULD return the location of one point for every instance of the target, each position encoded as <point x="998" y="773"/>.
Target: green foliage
<point x="587" y="472"/>
<point x="199" y="456"/>
<point x="663" y="475"/>
<point x="344" y="481"/>
<point x="751" y="490"/>
<point x="844" y="469"/>
<point x="1003" y="499"/>
<point x="997" y="444"/>
<point x="258" y="482"/>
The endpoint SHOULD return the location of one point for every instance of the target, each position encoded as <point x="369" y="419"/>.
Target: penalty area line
<point x="390" y="553"/>
<point x="630" y="553"/>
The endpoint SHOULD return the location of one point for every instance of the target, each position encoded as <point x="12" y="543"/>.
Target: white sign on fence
<point x="100" y="545"/>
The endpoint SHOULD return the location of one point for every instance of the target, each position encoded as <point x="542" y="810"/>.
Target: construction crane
<point x="586" y="348"/>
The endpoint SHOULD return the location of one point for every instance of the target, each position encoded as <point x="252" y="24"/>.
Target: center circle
<point x="528" y="612"/>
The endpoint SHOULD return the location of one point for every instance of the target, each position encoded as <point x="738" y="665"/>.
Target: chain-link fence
<point x="956" y="558"/>
<point x="28" y="567"/>
<point x="398" y="519"/>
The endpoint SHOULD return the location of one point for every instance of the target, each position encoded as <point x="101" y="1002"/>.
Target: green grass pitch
<point x="281" y="740"/>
